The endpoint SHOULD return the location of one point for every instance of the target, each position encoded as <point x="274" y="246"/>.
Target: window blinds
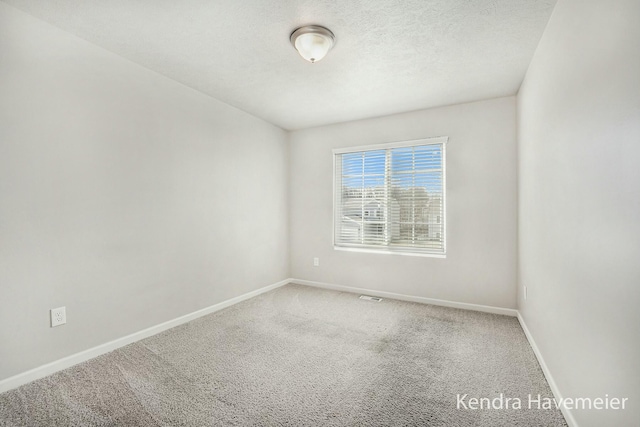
<point x="391" y="197"/>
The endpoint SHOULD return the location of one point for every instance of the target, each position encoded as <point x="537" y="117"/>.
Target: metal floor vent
<point x="370" y="298"/>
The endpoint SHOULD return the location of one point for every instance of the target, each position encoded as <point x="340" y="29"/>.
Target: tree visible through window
<point x="391" y="197"/>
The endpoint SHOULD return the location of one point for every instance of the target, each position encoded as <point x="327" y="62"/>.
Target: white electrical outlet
<point x="525" y="292"/>
<point x="58" y="316"/>
<point x="316" y="262"/>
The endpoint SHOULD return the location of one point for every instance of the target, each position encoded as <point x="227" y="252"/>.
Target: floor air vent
<point x="370" y="298"/>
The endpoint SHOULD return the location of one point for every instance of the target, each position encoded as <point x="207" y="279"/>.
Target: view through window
<point x="391" y="197"/>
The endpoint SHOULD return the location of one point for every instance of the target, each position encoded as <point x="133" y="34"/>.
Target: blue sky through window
<point x="410" y="167"/>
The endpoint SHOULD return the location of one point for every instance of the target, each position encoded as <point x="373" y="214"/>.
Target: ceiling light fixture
<point x="312" y="42"/>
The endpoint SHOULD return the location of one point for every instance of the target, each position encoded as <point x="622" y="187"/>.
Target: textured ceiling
<point x="390" y="56"/>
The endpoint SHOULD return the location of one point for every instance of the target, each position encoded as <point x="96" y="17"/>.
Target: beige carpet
<point x="300" y="356"/>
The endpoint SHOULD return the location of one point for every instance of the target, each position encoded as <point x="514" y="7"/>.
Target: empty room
<point x="320" y="213"/>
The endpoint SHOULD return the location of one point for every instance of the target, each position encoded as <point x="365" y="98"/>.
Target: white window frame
<point x="395" y="250"/>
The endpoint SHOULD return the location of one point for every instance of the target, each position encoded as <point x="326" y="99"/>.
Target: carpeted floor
<point x="300" y="356"/>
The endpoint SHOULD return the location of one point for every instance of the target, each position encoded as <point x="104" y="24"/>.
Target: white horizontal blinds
<point x="416" y="188"/>
<point x="391" y="198"/>
<point x="361" y="198"/>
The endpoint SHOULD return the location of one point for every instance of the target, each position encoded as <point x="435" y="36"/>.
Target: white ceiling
<point x="390" y="56"/>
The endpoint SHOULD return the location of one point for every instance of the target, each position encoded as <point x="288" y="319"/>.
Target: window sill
<point x="388" y="252"/>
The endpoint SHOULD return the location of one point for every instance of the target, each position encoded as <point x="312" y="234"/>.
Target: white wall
<point x="579" y="203"/>
<point x="480" y="266"/>
<point x="124" y="196"/>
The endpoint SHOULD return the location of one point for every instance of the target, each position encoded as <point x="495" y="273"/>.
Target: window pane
<point x="391" y="198"/>
<point x="374" y="162"/>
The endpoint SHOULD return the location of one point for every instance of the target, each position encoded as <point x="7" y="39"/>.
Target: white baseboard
<point x="423" y="300"/>
<point x="568" y="415"/>
<point x="74" y="359"/>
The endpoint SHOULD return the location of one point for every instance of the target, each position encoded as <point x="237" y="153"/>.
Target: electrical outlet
<point x="525" y="292"/>
<point x="316" y="262"/>
<point x="58" y="316"/>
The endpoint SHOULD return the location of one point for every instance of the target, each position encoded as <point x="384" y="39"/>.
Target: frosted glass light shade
<point x="312" y="42"/>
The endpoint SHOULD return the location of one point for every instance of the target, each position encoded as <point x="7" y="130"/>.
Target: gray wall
<point x="126" y="197"/>
<point x="579" y="191"/>
<point x="480" y="267"/>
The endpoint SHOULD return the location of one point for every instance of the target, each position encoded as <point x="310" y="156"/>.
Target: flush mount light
<point x="312" y="42"/>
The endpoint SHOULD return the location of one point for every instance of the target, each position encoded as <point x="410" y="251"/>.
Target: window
<point x="390" y="197"/>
